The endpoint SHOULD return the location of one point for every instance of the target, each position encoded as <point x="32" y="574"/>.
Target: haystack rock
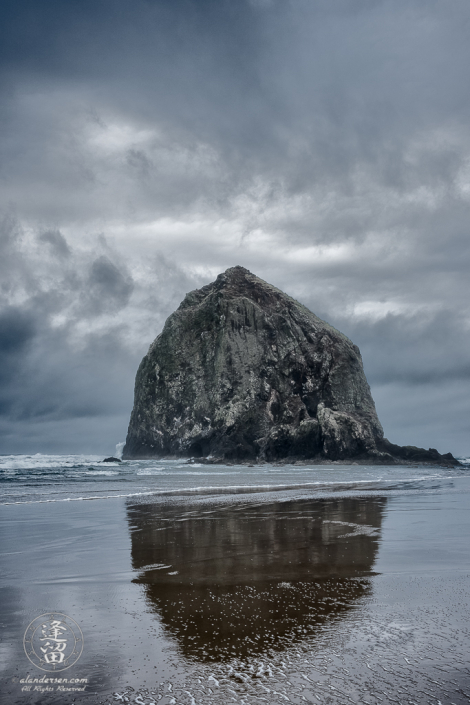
<point x="243" y="372"/>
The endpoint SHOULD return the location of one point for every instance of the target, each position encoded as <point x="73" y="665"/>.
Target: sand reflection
<point x="239" y="581"/>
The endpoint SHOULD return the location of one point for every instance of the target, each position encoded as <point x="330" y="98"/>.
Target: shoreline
<point x="323" y="583"/>
<point x="300" y="462"/>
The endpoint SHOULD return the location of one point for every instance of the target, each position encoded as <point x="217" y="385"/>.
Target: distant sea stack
<point x="243" y="372"/>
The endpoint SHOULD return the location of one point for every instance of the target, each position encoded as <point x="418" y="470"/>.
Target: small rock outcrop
<point x="242" y="372"/>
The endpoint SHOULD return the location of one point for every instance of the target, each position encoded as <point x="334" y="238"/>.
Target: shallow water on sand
<point x="350" y="594"/>
<point x="67" y="478"/>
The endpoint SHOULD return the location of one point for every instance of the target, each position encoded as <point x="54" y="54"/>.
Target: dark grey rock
<point x="111" y="460"/>
<point x="241" y="371"/>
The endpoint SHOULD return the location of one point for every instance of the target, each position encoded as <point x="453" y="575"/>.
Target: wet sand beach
<point x="252" y="598"/>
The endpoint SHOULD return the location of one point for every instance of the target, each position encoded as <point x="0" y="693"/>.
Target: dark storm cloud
<point x="323" y="145"/>
<point x="57" y="241"/>
<point x="109" y="289"/>
<point x="16" y="330"/>
<point x="305" y="98"/>
<point x="43" y="374"/>
<point x="67" y="359"/>
<point x="415" y="350"/>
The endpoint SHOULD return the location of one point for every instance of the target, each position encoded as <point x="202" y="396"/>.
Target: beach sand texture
<point x="250" y="598"/>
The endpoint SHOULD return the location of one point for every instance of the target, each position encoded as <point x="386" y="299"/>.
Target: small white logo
<point x="53" y="642"/>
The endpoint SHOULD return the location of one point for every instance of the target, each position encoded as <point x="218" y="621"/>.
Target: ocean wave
<point x="39" y="460"/>
<point x="332" y="487"/>
<point x="98" y="472"/>
<point x="36" y="478"/>
<point x="167" y="473"/>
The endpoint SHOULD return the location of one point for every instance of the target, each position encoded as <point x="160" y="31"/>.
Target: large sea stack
<point x="241" y="371"/>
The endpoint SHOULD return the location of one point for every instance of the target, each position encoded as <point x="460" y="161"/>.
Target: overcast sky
<point x="148" y="145"/>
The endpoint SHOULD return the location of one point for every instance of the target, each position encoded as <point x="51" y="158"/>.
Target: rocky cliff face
<point x="241" y="371"/>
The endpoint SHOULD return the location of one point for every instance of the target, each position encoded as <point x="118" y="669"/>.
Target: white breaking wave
<point x="45" y="478"/>
<point x="119" y="449"/>
<point x="39" y="460"/>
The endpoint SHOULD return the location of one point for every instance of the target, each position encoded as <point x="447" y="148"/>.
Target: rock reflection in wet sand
<point x="239" y="581"/>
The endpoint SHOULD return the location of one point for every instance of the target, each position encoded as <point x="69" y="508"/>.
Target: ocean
<point x="184" y="583"/>
<point x="62" y="478"/>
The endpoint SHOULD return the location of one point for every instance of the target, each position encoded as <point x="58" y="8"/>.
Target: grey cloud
<point x="57" y="241"/>
<point x="109" y="289"/>
<point x="137" y="159"/>
<point x="67" y="356"/>
<point x="63" y="383"/>
<point x="424" y="348"/>
<point x="433" y="415"/>
<point x="17" y="328"/>
<point x="17" y="332"/>
<point x="297" y="95"/>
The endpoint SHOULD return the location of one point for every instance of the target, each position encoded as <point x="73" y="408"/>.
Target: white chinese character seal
<point x="53" y="642"/>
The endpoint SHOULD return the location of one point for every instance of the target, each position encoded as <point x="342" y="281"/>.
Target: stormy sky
<point x="148" y="145"/>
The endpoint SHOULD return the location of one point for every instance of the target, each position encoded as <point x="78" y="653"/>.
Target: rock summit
<point x="243" y="372"/>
